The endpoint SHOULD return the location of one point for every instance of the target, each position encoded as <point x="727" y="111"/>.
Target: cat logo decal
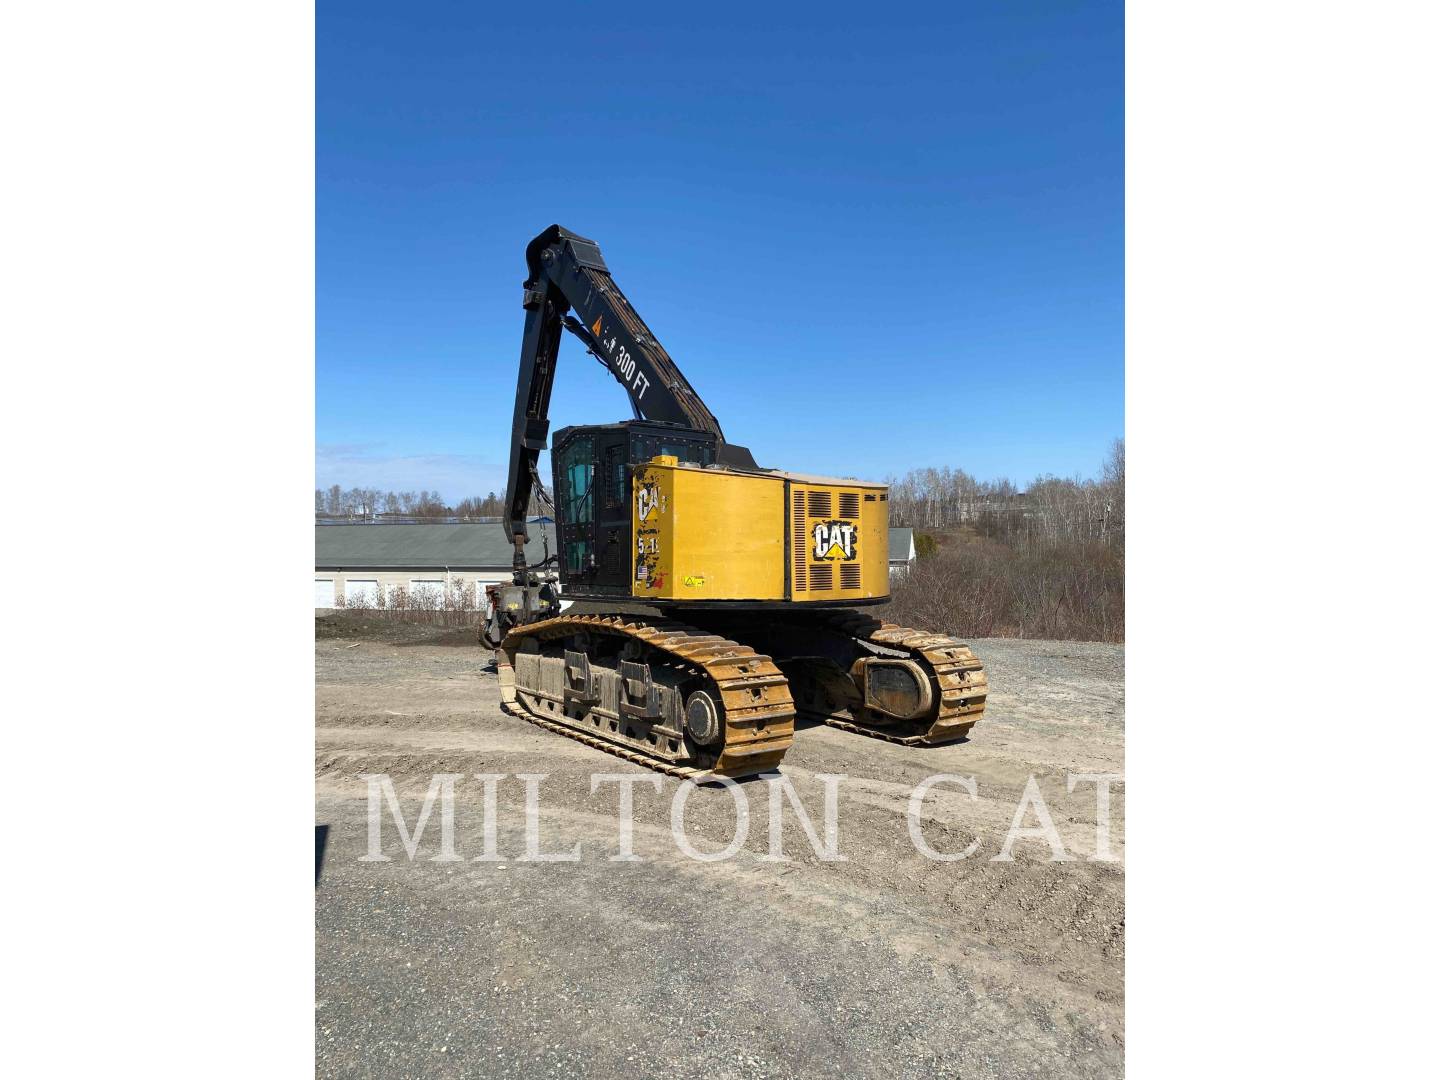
<point x="834" y="540"/>
<point x="647" y="500"/>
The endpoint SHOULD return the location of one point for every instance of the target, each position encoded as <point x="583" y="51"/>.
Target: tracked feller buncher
<point x="710" y="602"/>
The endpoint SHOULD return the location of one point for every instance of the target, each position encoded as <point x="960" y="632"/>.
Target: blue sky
<point x="873" y="240"/>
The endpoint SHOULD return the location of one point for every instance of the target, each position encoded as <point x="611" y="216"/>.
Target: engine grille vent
<point x="849" y="504"/>
<point x="799" y="544"/>
<point x="822" y="576"/>
<point x="885" y="497"/>
<point x="849" y="576"/>
<point x="869" y="498"/>
<point x="820" y="504"/>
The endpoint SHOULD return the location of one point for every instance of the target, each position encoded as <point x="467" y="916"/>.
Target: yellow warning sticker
<point x="595" y="326"/>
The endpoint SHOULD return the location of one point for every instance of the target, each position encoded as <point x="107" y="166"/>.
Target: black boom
<point x="568" y="274"/>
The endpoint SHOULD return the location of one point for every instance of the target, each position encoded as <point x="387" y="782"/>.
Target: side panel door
<point x="614" y="557"/>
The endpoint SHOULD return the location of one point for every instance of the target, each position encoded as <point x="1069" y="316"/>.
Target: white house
<point x="902" y="551"/>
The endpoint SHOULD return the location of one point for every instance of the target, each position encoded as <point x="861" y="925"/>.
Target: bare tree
<point x="1112" y="480"/>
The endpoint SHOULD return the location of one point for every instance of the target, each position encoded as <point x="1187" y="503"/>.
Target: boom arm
<point x="567" y="273"/>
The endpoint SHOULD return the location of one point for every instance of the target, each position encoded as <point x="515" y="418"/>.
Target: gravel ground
<point x="885" y="964"/>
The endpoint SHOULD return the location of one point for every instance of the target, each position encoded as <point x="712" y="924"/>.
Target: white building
<point x="353" y="562"/>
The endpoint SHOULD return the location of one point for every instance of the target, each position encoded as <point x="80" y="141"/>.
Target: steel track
<point x="958" y="675"/>
<point x="758" y="714"/>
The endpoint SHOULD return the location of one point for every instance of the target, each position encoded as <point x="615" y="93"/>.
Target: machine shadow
<point x="322" y="837"/>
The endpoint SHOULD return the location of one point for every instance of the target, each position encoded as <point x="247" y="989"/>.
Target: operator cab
<point x="593" y="466"/>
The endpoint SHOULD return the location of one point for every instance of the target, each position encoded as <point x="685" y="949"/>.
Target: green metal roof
<point x="406" y="547"/>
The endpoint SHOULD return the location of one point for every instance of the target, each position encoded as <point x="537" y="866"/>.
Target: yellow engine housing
<point x="710" y="534"/>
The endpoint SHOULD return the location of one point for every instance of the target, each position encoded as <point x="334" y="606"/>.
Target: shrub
<point x="1069" y="591"/>
<point x="455" y="604"/>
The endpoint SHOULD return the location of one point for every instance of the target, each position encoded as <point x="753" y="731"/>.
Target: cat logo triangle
<point x="835" y="552"/>
<point x="595" y="326"/>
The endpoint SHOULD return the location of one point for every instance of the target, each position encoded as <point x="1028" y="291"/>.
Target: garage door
<point x="428" y="592"/>
<point x="361" y="591"/>
<point x="324" y="592"/>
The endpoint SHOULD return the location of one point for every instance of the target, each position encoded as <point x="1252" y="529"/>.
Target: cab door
<point x="575" y="509"/>
<point x="592" y="484"/>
